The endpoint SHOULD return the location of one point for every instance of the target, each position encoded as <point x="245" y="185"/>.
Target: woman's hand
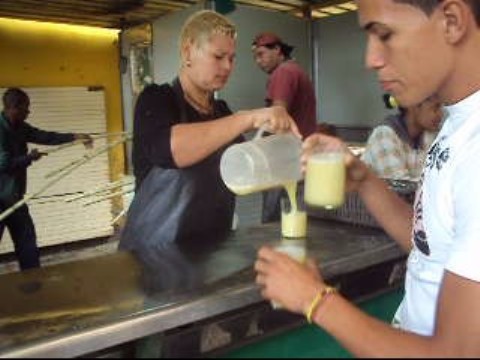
<point x="357" y="171"/>
<point x="286" y="281"/>
<point x="274" y="119"/>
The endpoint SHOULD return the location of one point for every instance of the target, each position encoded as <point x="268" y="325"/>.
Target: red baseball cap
<point x="266" y="38"/>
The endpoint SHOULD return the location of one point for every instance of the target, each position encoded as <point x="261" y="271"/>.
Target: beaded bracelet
<point x="327" y="290"/>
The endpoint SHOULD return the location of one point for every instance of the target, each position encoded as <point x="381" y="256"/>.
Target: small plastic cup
<point x="325" y="179"/>
<point x="296" y="249"/>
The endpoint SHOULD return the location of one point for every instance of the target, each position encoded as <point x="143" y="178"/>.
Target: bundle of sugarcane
<point x="63" y="173"/>
<point x="123" y="137"/>
<point x="94" y="136"/>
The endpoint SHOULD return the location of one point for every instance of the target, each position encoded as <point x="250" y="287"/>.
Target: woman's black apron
<point x="189" y="206"/>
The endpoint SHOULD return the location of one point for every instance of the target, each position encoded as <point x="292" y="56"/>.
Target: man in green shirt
<point x="15" y="158"/>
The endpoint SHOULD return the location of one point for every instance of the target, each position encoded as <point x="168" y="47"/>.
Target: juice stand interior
<point x="89" y="60"/>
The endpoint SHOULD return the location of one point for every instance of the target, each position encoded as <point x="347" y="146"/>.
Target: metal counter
<point x="80" y="307"/>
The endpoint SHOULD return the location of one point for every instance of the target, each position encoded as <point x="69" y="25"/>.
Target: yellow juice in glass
<point x="294" y="224"/>
<point x="249" y="189"/>
<point x="325" y="180"/>
<point x="294" y="220"/>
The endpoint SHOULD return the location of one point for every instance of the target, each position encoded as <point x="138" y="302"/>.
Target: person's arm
<point x="9" y="163"/>
<point x="294" y="285"/>
<point x="38" y="136"/>
<point x="456" y="334"/>
<point x="193" y="142"/>
<point x="281" y="103"/>
<point x="161" y="137"/>
<point x="392" y="212"/>
<point x="42" y="137"/>
<point x="4" y="154"/>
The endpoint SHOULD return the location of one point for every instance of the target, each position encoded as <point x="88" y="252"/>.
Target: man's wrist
<point x="367" y="175"/>
<point x="317" y="302"/>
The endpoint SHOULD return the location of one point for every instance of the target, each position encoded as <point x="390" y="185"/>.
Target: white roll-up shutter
<point x="67" y="109"/>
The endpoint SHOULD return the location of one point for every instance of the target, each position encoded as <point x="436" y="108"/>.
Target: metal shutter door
<point x="67" y="109"/>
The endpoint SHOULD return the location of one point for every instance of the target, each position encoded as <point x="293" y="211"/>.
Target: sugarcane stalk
<point x="114" y="184"/>
<point x="119" y="216"/>
<point x="50" y="198"/>
<point x="107" y="134"/>
<point x="81" y="141"/>
<point x="23" y="201"/>
<point x="61" y="147"/>
<point x="82" y="159"/>
<point x="110" y="196"/>
<point x="42" y="202"/>
<point x="102" y="189"/>
<point x="63" y="168"/>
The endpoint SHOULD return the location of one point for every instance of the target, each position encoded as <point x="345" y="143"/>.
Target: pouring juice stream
<point x="294" y="222"/>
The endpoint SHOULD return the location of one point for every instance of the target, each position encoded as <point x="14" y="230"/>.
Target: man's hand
<point x="35" y="155"/>
<point x="357" y="170"/>
<point x="86" y="139"/>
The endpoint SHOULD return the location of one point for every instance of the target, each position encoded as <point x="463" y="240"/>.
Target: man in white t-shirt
<point x="419" y="49"/>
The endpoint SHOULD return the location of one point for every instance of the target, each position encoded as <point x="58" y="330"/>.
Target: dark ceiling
<point x="121" y="14"/>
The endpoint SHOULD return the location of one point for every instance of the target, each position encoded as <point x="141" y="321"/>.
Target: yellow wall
<point x="44" y="54"/>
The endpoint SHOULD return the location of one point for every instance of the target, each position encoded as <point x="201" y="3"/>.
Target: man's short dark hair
<point x="428" y="6"/>
<point x="14" y="97"/>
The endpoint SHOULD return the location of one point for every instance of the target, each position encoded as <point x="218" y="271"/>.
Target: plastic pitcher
<point x="261" y="163"/>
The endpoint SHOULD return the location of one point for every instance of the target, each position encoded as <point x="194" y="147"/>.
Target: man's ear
<point x="278" y="49"/>
<point x="458" y="16"/>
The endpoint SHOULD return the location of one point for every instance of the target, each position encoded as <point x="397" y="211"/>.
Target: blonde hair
<point x="200" y="26"/>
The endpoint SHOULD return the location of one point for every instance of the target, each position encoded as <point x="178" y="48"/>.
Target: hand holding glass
<point x="296" y="249"/>
<point x="325" y="179"/>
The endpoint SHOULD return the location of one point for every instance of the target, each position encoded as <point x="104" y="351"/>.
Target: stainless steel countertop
<point x="79" y="307"/>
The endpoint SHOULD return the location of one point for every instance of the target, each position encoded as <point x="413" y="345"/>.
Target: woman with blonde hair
<point x="180" y="133"/>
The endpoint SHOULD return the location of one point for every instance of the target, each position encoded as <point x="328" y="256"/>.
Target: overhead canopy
<point x="121" y="14"/>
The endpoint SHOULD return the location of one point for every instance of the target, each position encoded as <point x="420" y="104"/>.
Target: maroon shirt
<point x="289" y="83"/>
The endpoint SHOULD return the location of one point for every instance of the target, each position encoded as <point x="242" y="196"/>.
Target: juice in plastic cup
<point x="296" y="249"/>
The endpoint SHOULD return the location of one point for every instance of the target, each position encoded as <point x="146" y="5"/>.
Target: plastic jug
<point x="261" y="163"/>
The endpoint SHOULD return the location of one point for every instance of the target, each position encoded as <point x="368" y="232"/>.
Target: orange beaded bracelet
<point x="317" y="300"/>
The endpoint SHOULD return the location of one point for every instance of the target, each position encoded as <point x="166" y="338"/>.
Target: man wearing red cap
<point x="288" y="86"/>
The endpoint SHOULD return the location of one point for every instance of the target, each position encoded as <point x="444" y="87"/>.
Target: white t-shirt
<point x="446" y="231"/>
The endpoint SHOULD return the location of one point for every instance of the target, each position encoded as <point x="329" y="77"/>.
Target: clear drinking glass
<point x="325" y="179"/>
<point x="293" y="216"/>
